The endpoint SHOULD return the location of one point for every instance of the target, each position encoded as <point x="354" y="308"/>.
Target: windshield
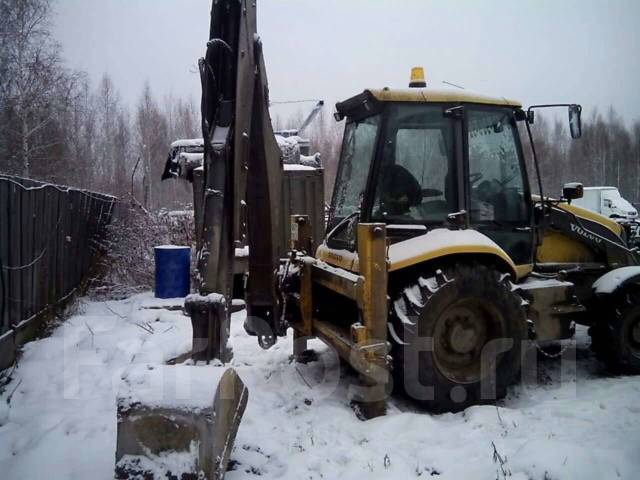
<point x="357" y="152"/>
<point x="612" y="194"/>
<point x="417" y="180"/>
<point x="612" y="199"/>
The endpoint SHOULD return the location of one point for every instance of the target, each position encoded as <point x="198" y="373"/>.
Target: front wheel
<point x="458" y="337"/>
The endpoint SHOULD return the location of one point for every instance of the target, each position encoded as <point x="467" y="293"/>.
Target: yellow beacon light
<point x="417" y="78"/>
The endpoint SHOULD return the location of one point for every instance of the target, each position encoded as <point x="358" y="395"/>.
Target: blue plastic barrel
<point x="172" y="271"/>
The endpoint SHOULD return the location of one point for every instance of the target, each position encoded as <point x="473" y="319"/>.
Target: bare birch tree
<point x="31" y="73"/>
<point x="152" y="137"/>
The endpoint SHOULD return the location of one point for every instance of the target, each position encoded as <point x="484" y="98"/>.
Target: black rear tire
<point x="615" y="339"/>
<point x="458" y="337"/>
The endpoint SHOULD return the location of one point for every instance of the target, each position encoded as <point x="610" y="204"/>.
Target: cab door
<point x="499" y="197"/>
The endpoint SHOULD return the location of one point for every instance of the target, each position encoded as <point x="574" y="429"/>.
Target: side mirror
<point x="572" y="191"/>
<point x="575" y="120"/>
<point x="531" y="116"/>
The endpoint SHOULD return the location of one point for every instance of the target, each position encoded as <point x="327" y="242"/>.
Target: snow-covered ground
<point x="58" y="413"/>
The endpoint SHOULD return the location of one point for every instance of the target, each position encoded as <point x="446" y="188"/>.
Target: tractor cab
<point x="422" y="159"/>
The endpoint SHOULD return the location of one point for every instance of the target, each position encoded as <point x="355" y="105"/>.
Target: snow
<point x="61" y="420"/>
<point x="448" y="94"/>
<point x="311" y="160"/>
<point x="291" y="152"/>
<point x="290" y="140"/>
<point x="193" y="142"/>
<point x="172" y="247"/>
<point x="534" y="282"/>
<point x="292" y="167"/>
<point x="611" y="280"/>
<point x="175" y="462"/>
<point x="419" y="228"/>
<point x="569" y="420"/>
<point x="169" y="386"/>
<point x="177" y="213"/>
<point x="290" y="148"/>
<point x="211" y="298"/>
<point x="39" y="185"/>
<point x="439" y="238"/>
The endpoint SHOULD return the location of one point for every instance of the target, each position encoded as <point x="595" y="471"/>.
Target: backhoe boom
<point x="242" y="176"/>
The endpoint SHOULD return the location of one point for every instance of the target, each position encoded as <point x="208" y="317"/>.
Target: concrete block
<point x="210" y="325"/>
<point x="178" y="421"/>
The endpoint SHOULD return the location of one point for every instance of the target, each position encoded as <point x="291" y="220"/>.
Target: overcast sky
<point x="584" y="51"/>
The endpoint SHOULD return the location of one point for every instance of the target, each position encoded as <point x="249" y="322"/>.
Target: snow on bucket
<point x="173" y="263"/>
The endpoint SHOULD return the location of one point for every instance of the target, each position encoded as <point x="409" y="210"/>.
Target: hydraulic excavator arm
<point x="240" y="194"/>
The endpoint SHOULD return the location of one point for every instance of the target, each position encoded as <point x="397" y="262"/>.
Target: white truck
<point x="607" y="201"/>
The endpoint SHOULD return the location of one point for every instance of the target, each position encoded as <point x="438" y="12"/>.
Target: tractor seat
<point x="399" y="190"/>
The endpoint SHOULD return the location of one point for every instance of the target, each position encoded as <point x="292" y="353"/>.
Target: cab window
<point x="417" y="180"/>
<point x="496" y="173"/>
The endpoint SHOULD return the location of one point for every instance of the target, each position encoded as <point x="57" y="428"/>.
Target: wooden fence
<point x="48" y="241"/>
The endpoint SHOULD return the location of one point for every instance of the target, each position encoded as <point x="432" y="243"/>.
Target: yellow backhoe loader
<point x="437" y="270"/>
<point x="438" y="266"/>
